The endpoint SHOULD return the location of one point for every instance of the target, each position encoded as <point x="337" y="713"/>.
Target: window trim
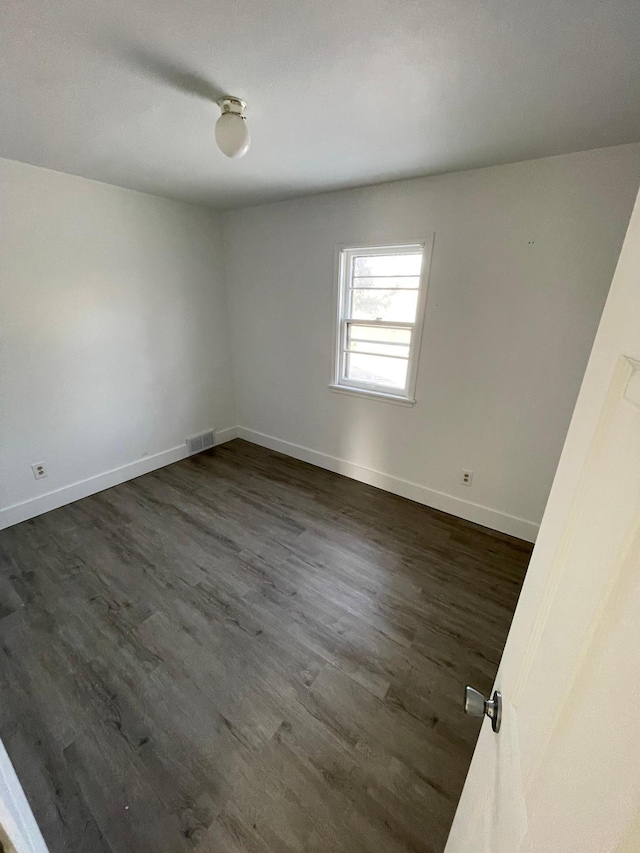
<point x="344" y="253"/>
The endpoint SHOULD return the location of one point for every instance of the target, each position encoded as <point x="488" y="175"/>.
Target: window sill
<point x="372" y="395"/>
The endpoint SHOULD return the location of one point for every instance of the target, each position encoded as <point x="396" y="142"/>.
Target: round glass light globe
<point x="232" y="134"/>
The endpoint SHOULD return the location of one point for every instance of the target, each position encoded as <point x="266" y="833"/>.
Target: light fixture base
<point x="229" y="104"/>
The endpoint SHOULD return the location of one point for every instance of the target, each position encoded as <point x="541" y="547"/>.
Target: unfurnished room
<point x="319" y="426"/>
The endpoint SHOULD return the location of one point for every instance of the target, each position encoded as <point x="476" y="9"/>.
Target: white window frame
<point x="339" y="382"/>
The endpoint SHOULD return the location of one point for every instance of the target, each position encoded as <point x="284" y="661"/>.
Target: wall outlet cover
<point x="39" y="470"/>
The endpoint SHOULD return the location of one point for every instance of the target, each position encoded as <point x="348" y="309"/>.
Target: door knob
<point x="476" y="706"/>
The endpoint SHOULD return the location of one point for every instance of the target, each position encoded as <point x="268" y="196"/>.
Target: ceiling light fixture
<point x="232" y="133"/>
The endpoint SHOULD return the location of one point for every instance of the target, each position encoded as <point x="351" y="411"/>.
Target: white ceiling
<point x="340" y="92"/>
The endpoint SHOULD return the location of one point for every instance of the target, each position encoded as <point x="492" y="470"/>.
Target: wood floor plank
<point x="242" y="653"/>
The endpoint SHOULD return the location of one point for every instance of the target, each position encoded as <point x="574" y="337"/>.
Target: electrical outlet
<point x="466" y="477"/>
<point x="39" y="471"/>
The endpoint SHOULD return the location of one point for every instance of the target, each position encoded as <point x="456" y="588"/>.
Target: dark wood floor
<point x="241" y="652"/>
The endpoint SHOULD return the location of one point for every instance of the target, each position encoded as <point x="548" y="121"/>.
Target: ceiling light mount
<point x="232" y="133"/>
<point x="229" y="104"/>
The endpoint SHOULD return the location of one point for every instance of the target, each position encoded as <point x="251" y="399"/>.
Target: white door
<point x="563" y="773"/>
<point x="19" y="833"/>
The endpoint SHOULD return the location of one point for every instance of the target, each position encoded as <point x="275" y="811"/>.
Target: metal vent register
<point x="201" y="442"/>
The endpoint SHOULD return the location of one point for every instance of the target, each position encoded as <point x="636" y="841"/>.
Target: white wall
<point x="114" y="334"/>
<point x="523" y="259"/>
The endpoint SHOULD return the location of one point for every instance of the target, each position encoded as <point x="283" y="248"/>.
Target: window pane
<point x="379" y="333"/>
<point x="381" y="304"/>
<point x="377" y="369"/>
<point x="386" y="281"/>
<point x="359" y="340"/>
<point x="378" y="348"/>
<point x="373" y="265"/>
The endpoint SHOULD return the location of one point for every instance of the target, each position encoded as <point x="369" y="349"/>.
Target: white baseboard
<point x="492" y="518"/>
<point x="74" y="492"/>
<point x="223" y="435"/>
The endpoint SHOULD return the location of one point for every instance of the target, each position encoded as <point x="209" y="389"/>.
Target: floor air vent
<point x="200" y="442"/>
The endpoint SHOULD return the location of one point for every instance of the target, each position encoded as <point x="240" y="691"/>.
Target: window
<point x="381" y="301"/>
